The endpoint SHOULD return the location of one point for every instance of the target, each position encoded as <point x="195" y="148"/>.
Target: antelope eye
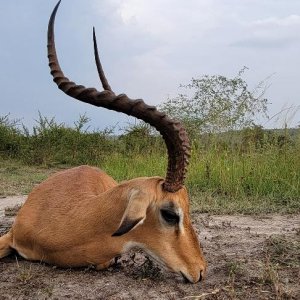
<point x="169" y="216"/>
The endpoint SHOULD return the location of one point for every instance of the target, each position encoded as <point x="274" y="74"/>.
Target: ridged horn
<point x="172" y="131"/>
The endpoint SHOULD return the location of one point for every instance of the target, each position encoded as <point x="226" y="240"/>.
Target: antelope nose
<point x="203" y="269"/>
<point x="188" y="279"/>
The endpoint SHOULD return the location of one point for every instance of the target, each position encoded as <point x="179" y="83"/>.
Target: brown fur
<point x="69" y="219"/>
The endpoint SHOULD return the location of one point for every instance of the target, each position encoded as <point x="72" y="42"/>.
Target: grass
<point x="256" y="173"/>
<point x="251" y="171"/>
<point x="282" y="260"/>
<point x="123" y="167"/>
<point x="284" y="252"/>
<point x="276" y="273"/>
<point x="223" y="194"/>
<point x="19" y="179"/>
<point x="256" y="182"/>
<point x="207" y="203"/>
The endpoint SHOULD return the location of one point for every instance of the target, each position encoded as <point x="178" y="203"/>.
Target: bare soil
<point x="249" y="257"/>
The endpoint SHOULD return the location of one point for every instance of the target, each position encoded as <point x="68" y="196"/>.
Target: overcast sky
<point x="148" y="48"/>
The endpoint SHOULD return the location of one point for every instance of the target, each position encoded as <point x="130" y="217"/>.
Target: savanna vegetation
<point x="236" y="165"/>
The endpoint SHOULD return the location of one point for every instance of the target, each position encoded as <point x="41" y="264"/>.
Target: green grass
<point x="230" y="172"/>
<point x="224" y="191"/>
<point x="264" y="181"/>
<point x="123" y="167"/>
<point x="19" y="179"/>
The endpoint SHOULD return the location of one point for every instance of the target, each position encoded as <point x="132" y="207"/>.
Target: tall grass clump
<point x="11" y="137"/>
<point x="52" y="143"/>
<point x="237" y="166"/>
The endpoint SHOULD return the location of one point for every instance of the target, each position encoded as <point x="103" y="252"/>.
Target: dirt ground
<point x="249" y="257"/>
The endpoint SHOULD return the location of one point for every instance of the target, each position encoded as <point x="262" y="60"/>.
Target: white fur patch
<point x="23" y="255"/>
<point x="130" y="245"/>
<point x="181" y="227"/>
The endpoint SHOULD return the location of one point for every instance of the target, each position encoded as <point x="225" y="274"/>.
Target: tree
<point x="217" y="103"/>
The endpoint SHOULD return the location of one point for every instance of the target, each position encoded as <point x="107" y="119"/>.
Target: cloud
<point x="266" y="42"/>
<point x="291" y="20"/>
<point x="156" y="36"/>
<point x="273" y="32"/>
<point x="164" y="19"/>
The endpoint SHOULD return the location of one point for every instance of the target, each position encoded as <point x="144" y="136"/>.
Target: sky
<point x="147" y="48"/>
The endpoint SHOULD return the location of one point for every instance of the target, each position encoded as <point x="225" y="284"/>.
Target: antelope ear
<point x="135" y="213"/>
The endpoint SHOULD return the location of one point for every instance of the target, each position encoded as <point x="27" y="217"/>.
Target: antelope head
<point x="110" y="218"/>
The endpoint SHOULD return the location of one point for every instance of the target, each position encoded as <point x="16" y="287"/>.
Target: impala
<point x="82" y="216"/>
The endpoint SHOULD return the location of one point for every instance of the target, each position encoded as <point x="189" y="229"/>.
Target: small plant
<point x="283" y="252"/>
<point x="270" y="277"/>
<point x="25" y="273"/>
<point x="234" y="268"/>
<point x="12" y="210"/>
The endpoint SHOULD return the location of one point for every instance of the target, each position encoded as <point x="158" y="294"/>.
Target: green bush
<point x="11" y="138"/>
